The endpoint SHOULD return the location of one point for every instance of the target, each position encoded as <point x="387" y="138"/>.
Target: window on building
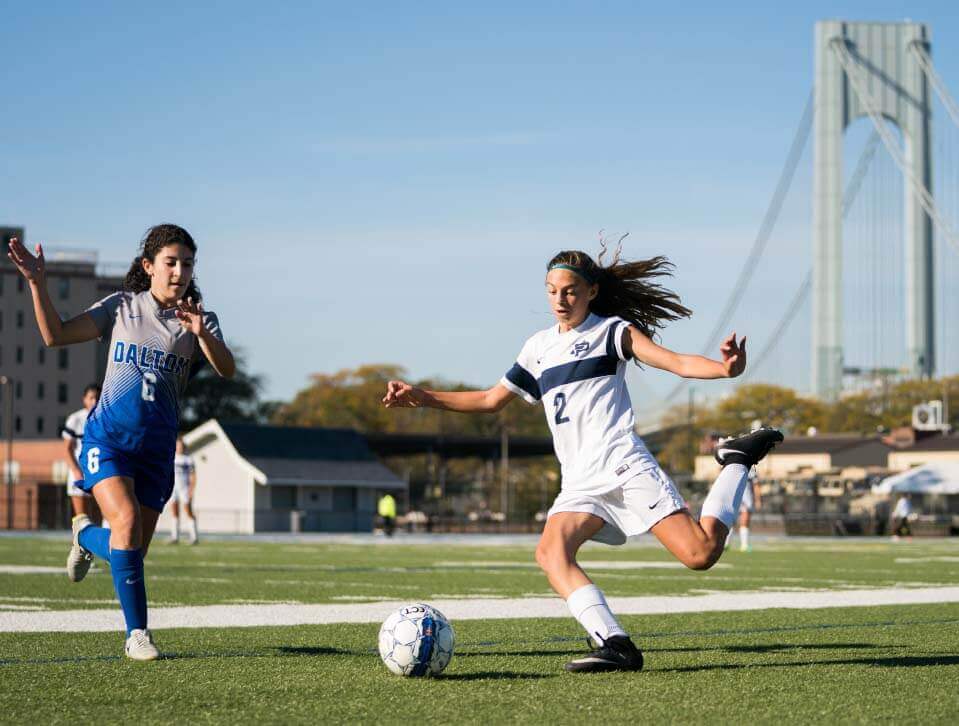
<point x="19" y="318"/>
<point x="41" y="354"/>
<point x="344" y="499"/>
<point x="63" y="287"/>
<point x="283" y="497"/>
<point x="1" y="312"/>
<point x="19" y="354"/>
<point x="19" y="389"/>
<point x="39" y="424"/>
<point x="63" y="359"/>
<point x="20" y="285"/>
<point x="62" y="393"/>
<point x="41" y="390"/>
<point x="18" y="425"/>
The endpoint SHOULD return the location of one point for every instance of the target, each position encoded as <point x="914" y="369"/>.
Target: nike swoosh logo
<point x="135" y="317"/>
<point x="132" y="582"/>
<point x="655" y="504"/>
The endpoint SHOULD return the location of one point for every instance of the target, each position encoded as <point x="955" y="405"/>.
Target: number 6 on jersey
<point x="149" y="387"/>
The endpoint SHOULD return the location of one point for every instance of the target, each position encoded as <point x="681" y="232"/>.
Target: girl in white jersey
<point x="612" y="486"/>
<point x="156" y="327"/>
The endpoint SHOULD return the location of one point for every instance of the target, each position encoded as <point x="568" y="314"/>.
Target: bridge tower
<point x="890" y="83"/>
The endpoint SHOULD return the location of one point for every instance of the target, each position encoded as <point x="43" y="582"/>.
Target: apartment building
<point x="47" y="383"/>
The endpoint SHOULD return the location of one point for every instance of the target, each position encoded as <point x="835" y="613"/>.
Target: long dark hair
<point x="628" y="289"/>
<point x="155" y="239"/>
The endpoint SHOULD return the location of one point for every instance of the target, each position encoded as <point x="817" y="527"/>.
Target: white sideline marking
<point x="31" y="570"/>
<point x="238" y="616"/>
<point x="589" y="564"/>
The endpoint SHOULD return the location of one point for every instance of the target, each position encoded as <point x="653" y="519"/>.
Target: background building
<point x="47" y="383"/>
<point x="253" y="478"/>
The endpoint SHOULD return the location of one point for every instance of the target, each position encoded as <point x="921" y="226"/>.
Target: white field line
<point x="586" y="564"/>
<point x="236" y="616"/>
<point x="31" y="570"/>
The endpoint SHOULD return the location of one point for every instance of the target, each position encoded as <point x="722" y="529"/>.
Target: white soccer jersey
<point x="580" y="376"/>
<point x="183" y="467"/>
<point x="73" y="429"/>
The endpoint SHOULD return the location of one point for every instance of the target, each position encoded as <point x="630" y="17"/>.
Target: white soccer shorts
<point x="627" y="510"/>
<point x="181" y="493"/>
<point x="74" y="490"/>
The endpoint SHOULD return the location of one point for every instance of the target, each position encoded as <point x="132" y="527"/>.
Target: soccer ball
<point x="416" y="640"/>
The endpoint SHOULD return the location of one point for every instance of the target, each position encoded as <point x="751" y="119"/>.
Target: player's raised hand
<point x="31" y="266"/>
<point x="734" y="355"/>
<point x="190" y="315"/>
<point x="402" y="395"/>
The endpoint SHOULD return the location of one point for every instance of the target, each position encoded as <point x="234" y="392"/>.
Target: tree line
<point x="350" y="398"/>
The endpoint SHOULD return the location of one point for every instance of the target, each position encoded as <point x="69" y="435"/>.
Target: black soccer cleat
<point x="748" y="449"/>
<point x="617" y="653"/>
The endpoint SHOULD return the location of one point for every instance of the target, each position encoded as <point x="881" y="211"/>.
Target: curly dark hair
<point x="627" y="289"/>
<point x="155" y="239"/>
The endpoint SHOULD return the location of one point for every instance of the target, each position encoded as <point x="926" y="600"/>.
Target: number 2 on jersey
<point x="559" y="403"/>
<point x="148" y="389"/>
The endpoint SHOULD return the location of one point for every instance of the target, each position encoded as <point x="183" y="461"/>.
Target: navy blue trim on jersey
<point x="522" y="378"/>
<point x="427" y="641"/>
<point x="578" y="370"/>
<point x="611" y="340"/>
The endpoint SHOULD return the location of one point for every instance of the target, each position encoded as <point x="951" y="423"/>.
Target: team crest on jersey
<point x="579" y="348"/>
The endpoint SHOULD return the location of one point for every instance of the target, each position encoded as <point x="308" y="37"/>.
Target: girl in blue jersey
<point x="612" y="486"/>
<point x="156" y="326"/>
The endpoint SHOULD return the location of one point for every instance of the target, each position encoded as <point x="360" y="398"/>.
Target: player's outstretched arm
<point x="687" y="366"/>
<point x="402" y="395"/>
<point x="53" y="330"/>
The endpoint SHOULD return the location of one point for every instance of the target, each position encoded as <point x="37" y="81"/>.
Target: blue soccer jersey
<point x="148" y="367"/>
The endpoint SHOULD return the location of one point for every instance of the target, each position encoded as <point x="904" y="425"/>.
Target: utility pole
<point x="690" y="418"/>
<point x="7" y="382"/>
<point x="504" y="472"/>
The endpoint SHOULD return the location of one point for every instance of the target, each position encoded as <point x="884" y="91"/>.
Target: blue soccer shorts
<point x="152" y="472"/>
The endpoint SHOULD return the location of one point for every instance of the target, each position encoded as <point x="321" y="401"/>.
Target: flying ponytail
<point x="627" y="289"/>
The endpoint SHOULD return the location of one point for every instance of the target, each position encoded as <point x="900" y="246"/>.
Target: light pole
<point x="8" y="383"/>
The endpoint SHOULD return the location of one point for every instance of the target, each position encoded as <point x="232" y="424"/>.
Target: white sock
<point x="191" y="528"/>
<point x="744" y="537"/>
<point x="588" y="606"/>
<point x="726" y="494"/>
<point x="175" y="531"/>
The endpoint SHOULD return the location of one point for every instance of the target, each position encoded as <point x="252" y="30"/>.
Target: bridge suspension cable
<point x="766" y="228"/>
<point x="925" y="62"/>
<point x="926" y="200"/>
<point x="799" y="298"/>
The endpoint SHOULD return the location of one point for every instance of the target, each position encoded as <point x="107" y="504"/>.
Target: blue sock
<point x="127" y="569"/>
<point x="96" y="540"/>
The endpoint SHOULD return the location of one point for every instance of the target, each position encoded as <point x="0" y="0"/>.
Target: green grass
<point x="795" y="666"/>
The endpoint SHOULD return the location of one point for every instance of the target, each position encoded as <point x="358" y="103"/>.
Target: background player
<point x="184" y="485"/>
<point x="155" y="327"/>
<point x="752" y="500"/>
<point x="73" y="427"/>
<point x="612" y="486"/>
<point x="900" y="518"/>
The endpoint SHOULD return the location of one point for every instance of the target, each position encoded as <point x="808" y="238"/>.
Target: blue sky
<point x="385" y="184"/>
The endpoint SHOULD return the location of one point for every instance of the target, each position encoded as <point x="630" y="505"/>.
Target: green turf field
<point x="857" y="664"/>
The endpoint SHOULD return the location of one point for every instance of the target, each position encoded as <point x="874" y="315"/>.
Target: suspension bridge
<point x="864" y="264"/>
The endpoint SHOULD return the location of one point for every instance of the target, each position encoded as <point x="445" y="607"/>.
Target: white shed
<point x="253" y="478"/>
